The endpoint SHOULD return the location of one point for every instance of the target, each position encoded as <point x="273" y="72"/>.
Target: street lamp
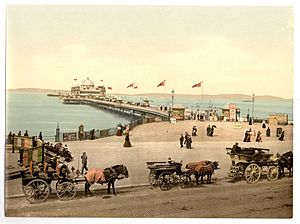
<point x="172" y="94"/>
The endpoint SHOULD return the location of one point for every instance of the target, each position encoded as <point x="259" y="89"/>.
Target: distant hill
<point x="37" y="90"/>
<point x="217" y="96"/>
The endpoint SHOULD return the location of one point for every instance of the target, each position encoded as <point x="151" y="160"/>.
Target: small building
<point x="178" y="112"/>
<point x="232" y="113"/>
<point x="275" y="119"/>
<point x="87" y="89"/>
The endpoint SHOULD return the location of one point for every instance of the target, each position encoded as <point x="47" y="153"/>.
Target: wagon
<point x="38" y="171"/>
<point x="251" y="163"/>
<point x="167" y="174"/>
<point x="38" y="188"/>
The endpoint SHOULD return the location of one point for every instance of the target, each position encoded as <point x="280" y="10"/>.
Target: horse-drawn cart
<point x="251" y="163"/>
<point x="38" y="188"/>
<point x="39" y="168"/>
<point x="167" y="174"/>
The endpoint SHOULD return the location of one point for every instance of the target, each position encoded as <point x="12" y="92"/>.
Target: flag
<point x="197" y="84"/>
<point x="110" y="88"/>
<point x="162" y="83"/>
<point x="135" y="87"/>
<point x="131" y="85"/>
<point x="75" y="79"/>
<point x="101" y="80"/>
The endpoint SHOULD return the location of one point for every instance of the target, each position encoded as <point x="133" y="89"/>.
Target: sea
<point x="37" y="112"/>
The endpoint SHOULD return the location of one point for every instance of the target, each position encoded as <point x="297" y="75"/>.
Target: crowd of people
<point x="258" y="136"/>
<point x="187" y="138"/>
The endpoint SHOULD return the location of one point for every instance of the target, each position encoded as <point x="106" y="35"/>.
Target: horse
<point x="201" y="169"/>
<point x="108" y="175"/>
<point x="285" y="161"/>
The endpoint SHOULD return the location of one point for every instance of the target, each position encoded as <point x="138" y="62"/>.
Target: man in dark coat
<point x="181" y="140"/>
<point x="208" y="130"/>
<point x="236" y="148"/>
<point x="84" y="162"/>
<point x="281" y="138"/>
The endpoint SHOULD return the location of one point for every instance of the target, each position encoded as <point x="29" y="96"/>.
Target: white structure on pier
<point x="87" y="89"/>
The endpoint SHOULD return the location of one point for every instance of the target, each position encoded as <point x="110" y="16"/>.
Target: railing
<point x="96" y="134"/>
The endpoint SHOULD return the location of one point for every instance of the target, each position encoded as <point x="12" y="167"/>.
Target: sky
<point x="232" y="49"/>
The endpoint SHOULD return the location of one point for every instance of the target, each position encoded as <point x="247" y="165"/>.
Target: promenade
<point x="160" y="140"/>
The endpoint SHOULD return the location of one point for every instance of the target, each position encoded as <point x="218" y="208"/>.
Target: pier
<point x="121" y="108"/>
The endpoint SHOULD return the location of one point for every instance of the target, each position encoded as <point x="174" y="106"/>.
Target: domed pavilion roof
<point x="87" y="82"/>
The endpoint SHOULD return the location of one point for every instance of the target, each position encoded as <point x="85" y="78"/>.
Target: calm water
<point x="37" y="112"/>
<point x="262" y="108"/>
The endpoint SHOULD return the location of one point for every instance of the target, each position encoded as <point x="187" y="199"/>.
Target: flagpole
<point x="202" y="97"/>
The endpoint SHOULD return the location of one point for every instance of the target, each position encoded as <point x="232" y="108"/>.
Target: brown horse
<point x="286" y="161"/>
<point x="201" y="169"/>
<point x="108" y="175"/>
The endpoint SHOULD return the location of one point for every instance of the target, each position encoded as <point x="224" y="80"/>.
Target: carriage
<point x="38" y="171"/>
<point x="37" y="188"/>
<point x="252" y="163"/>
<point x="167" y="174"/>
<point x="40" y="168"/>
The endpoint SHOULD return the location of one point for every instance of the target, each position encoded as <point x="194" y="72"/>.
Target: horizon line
<point x="148" y="93"/>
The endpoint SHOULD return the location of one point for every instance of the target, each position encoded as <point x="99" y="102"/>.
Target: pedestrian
<point x="281" y="138"/>
<point x="194" y="131"/>
<point x="19" y="133"/>
<point x="211" y="133"/>
<point x="259" y="137"/>
<point x="92" y="133"/>
<point x="249" y="133"/>
<point x="84" y="162"/>
<point x="188" y="142"/>
<point x="26" y="133"/>
<point x="185" y="137"/>
<point x="268" y="132"/>
<point x="40" y="136"/>
<point x="127" y="141"/>
<point x="181" y="139"/>
<point x="9" y="138"/>
<point x="208" y="130"/>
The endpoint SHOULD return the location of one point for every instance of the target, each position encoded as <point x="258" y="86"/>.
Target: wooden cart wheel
<point x="37" y="191"/>
<point x="65" y="190"/>
<point x="152" y="180"/>
<point x="185" y="180"/>
<point x="252" y="173"/>
<point x="165" y="181"/>
<point x="273" y="173"/>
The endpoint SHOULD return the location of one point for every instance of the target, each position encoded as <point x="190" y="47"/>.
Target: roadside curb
<point x="117" y="187"/>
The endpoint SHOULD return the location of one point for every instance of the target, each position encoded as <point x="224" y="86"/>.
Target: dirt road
<point x="220" y="199"/>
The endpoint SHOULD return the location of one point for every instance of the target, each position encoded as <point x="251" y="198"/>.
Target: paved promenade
<point x="157" y="142"/>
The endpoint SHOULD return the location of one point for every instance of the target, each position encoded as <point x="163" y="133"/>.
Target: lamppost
<point x="172" y="94"/>
<point x="253" y="99"/>
<point x="172" y="104"/>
